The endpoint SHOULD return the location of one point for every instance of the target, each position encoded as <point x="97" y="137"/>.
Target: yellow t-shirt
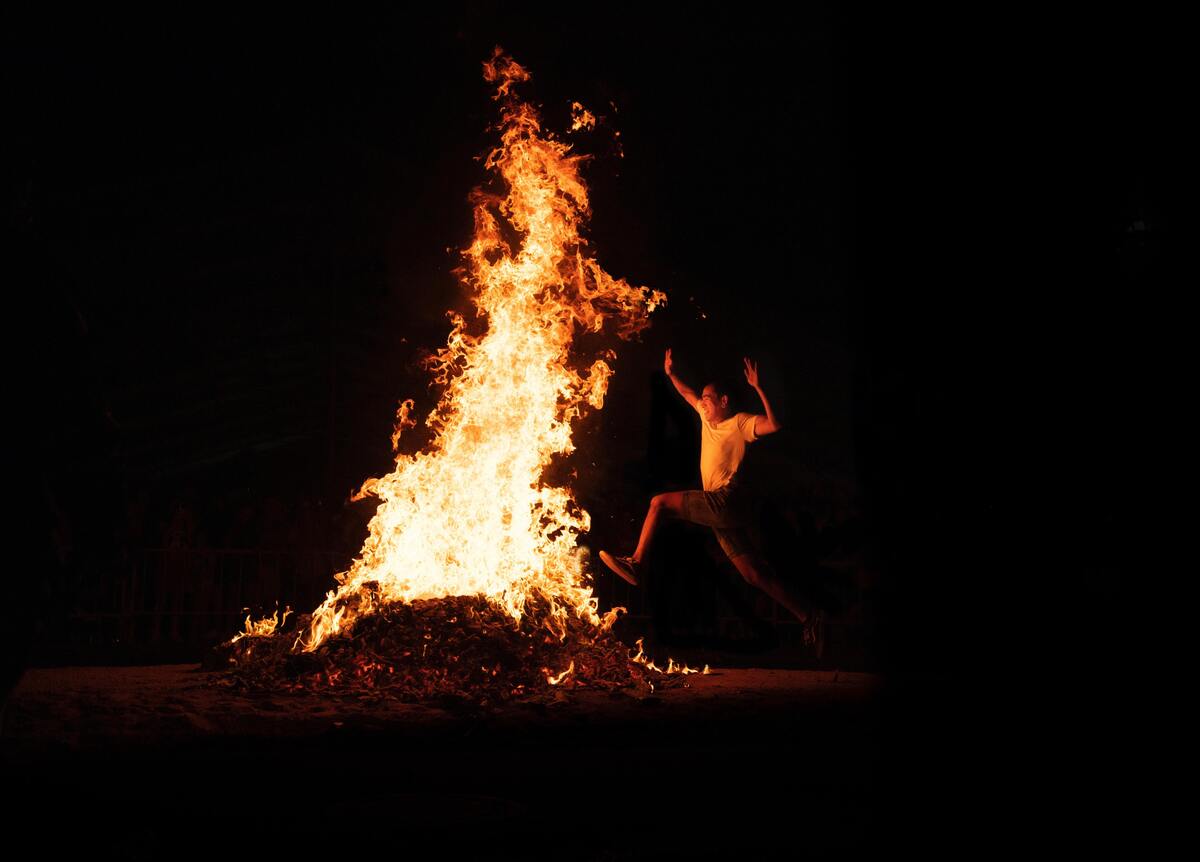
<point x="722" y="447"/>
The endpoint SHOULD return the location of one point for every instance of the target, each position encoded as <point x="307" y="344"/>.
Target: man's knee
<point x="665" y="504"/>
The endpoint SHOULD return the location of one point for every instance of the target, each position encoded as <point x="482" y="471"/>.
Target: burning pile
<point x="471" y="578"/>
<point x="462" y="648"/>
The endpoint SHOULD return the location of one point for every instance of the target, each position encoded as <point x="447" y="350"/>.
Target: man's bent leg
<point x="759" y="573"/>
<point x="661" y="505"/>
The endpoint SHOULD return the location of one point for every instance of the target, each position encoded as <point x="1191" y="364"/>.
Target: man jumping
<point x="725" y="504"/>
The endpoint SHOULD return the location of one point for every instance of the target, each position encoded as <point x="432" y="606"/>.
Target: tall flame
<point x="471" y="513"/>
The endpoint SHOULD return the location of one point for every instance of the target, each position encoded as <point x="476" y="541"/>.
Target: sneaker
<point x="625" y="567"/>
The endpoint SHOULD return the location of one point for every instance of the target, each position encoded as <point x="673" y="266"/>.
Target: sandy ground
<point x="77" y="709"/>
<point x="148" y="762"/>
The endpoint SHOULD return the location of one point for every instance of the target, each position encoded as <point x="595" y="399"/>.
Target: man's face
<point x="714" y="407"/>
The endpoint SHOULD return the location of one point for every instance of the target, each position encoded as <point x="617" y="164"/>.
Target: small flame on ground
<point x="671" y="668"/>
<point x="263" y="628"/>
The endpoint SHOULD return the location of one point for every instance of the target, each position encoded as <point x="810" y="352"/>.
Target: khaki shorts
<point x="730" y="511"/>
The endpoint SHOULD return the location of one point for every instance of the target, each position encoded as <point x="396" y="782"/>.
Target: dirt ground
<point x="145" y="761"/>
<point x="80" y="709"/>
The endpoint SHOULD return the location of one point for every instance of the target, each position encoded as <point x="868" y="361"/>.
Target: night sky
<point x="235" y="237"/>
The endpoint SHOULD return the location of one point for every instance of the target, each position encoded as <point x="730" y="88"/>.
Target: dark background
<point x="232" y="236"/>
<point x="239" y="239"/>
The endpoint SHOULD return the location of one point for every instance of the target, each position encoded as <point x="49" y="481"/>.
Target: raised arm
<point x="689" y="394"/>
<point x="768" y="424"/>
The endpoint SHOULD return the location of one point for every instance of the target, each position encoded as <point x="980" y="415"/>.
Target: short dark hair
<point x="725" y="387"/>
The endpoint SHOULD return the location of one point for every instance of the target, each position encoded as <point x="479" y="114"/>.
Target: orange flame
<point x="581" y="118"/>
<point x="471" y="514"/>
<point x="263" y="628"/>
<point x="558" y="678"/>
<point x="671" y="668"/>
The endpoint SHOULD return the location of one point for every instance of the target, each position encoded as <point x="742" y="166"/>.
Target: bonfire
<point x="471" y="582"/>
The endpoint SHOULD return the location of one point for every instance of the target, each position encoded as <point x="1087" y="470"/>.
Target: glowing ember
<point x="471" y="514"/>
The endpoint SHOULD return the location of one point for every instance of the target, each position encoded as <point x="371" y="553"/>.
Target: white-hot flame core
<point x="471" y="514"/>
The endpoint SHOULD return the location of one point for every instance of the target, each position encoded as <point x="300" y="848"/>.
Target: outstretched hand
<point x="667" y="365"/>
<point x="751" y="370"/>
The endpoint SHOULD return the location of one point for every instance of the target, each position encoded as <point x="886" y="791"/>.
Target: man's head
<point x="714" y="403"/>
